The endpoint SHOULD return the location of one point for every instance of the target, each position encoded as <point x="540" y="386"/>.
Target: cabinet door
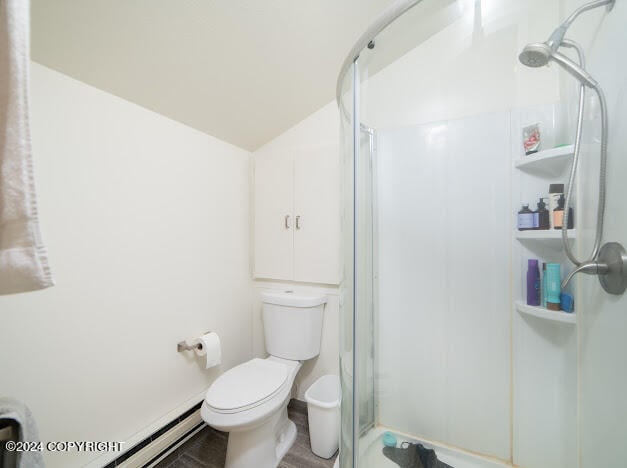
<point x="273" y="216"/>
<point x="317" y="215"/>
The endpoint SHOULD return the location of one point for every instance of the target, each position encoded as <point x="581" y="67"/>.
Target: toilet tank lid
<point x="290" y="299"/>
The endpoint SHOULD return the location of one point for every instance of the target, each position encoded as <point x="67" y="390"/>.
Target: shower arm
<point x="588" y="6"/>
<point x="557" y="37"/>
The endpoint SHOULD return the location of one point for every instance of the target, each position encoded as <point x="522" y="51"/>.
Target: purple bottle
<point x="533" y="283"/>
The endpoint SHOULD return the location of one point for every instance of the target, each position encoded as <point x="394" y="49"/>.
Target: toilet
<point x="250" y="401"/>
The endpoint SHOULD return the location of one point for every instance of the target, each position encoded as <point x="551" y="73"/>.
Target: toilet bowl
<point x="250" y="400"/>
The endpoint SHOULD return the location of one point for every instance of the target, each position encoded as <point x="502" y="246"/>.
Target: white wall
<point x="147" y="224"/>
<point x="320" y="128"/>
<point x="602" y="344"/>
<point x="469" y="67"/>
<point x="444" y="303"/>
<point x="544" y="352"/>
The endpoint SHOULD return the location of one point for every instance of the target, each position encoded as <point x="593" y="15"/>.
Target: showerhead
<point x="535" y="55"/>
<point x="538" y="54"/>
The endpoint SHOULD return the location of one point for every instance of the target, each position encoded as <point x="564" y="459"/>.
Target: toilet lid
<point x="247" y="385"/>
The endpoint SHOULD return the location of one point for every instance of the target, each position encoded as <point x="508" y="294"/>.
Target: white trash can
<point x="323" y="410"/>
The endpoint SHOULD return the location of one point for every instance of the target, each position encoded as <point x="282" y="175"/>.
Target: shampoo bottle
<point x="533" y="283"/>
<point x="555" y="190"/>
<point x="558" y="214"/>
<point x="525" y="218"/>
<point x="543" y="215"/>
<point x="553" y="286"/>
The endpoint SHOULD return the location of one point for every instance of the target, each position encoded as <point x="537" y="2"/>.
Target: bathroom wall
<point x="468" y="67"/>
<point x="544" y="352"/>
<point x="443" y="300"/>
<point x="320" y="128"/>
<point x="147" y="225"/>
<point x="601" y="329"/>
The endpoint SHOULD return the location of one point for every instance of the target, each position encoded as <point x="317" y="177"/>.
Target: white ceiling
<point x="241" y="70"/>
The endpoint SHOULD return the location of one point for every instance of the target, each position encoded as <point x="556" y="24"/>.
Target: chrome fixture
<point x="184" y="346"/>
<point x="609" y="261"/>
<point x="610" y="267"/>
<point x="539" y="54"/>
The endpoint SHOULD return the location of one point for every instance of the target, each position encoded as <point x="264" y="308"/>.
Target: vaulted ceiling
<point x="241" y="70"/>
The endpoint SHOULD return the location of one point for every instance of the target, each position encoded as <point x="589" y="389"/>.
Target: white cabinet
<point x="297" y="215"/>
<point x="273" y="216"/>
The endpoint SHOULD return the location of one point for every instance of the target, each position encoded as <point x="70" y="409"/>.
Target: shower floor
<point x="372" y="455"/>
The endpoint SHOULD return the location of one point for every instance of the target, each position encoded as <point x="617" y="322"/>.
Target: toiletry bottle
<point x="525" y="218"/>
<point x="544" y="284"/>
<point x="543" y="215"/>
<point x="567" y="302"/>
<point x="553" y="286"/>
<point x="555" y="190"/>
<point x="533" y="283"/>
<point x="558" y="214"/>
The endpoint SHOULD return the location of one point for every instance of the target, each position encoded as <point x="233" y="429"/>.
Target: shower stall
<point x="438" y="343"/>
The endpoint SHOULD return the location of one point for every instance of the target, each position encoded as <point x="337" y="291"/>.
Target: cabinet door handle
<point x="287" y="221"/>
<point x="298" y="222"/>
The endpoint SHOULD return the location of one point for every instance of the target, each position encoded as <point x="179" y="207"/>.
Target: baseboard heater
<point x="152" y="449"/>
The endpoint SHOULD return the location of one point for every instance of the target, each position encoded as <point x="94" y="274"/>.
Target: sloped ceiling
<point x="241" y="70"/>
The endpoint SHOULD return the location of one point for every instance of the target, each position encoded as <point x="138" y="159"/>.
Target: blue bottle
<point x="553" y="286"/>
<point x="533" y="283"/>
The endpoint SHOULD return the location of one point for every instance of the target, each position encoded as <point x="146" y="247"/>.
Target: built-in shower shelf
<point x="545" y="234"/>
<point x="549" y="162"/>
<point x="545" y="314"/>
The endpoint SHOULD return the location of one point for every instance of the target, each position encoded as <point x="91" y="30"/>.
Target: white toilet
<point x="250" y="400"/>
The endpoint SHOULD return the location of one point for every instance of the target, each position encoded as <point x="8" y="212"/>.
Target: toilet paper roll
<point x="210" y="348"/>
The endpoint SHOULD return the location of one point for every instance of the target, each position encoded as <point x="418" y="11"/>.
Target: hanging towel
<point x="23" y="258"/>
<point x="18" y="412"/>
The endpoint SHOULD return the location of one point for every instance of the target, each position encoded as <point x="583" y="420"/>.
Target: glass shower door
<point x="358" y="291"/>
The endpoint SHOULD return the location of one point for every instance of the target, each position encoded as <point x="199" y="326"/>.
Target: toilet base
<point x="262" y="446"/>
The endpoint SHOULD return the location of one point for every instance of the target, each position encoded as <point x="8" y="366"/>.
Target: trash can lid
<point x="326" y="392"/>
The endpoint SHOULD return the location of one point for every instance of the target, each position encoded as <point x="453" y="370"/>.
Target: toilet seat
<point x="247" y="386"/>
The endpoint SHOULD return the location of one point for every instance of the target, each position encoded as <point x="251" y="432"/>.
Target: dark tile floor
<point x="207" y="449"/>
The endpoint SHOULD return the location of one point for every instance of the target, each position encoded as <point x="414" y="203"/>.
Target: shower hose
<point x="573" y="171"/>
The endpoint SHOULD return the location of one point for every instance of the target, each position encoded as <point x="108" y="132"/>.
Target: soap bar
<point x="389" y="440"/>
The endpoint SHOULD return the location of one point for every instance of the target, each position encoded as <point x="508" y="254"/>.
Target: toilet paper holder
<point x="184" y="346"/>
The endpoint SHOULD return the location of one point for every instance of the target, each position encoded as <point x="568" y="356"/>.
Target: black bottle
<point x="558" y="214"/>
<point x="543" y="216"/>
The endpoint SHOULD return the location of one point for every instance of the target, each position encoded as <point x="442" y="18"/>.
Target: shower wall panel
<point x="603" y="325"/>
<point x="444" y="300"/>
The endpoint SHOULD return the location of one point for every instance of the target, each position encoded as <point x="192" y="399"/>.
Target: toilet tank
<point x="293" y="324"/>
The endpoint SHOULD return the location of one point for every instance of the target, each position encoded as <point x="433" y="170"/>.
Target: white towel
<point x="18" y="412"/>
<point x="23" y="258"/>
